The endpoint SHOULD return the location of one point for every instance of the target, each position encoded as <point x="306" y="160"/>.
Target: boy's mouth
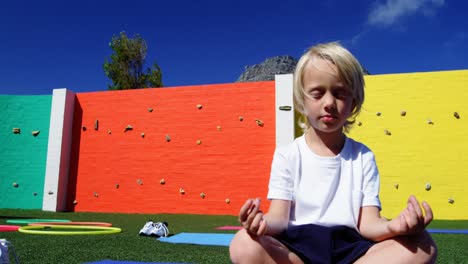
<point x="328" y="118"/>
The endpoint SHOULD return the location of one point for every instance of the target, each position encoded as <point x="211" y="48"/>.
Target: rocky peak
<point x="267" y="70"/>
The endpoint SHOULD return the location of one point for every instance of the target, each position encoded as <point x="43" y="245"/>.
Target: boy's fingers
<point x="403" y="223"/>
<point x="243" y="211"/>
<point x="428" y="217"/>
<point x="255" y="203"/>
<point x="411" y="216"/>
<point x="254" y="208"/>
<point x="416" y="206"/>
<point x="417" y="218"/>
<point x="262" y="228"/>
<point x="255" y="225"/>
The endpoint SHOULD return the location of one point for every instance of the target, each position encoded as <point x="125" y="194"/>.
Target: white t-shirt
<point x="326" y="191"/>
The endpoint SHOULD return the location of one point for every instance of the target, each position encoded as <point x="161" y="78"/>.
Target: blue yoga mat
<point x="447" y="231"/>
<point x="207" y="239"/>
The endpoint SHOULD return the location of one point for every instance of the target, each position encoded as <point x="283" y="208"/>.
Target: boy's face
<point x="328" y="102"/>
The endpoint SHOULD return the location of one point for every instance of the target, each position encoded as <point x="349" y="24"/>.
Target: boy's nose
<point x="329" y="102"/>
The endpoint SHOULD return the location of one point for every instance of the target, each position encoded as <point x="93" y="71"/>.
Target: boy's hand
<point x="251" y="217"/>
<point x="411" y="220"/>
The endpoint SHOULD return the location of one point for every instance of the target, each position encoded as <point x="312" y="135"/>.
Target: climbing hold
<point x="51" y="192"/>
<point x="117" y="186"/>
<point x="35" y="193"/>
<point x="142" y="135"/>
<point x="16" y="185"/>
<point x="162" y="181"/>
<point x="96" y="125"/>
<point x="378" y="114"/>
<point x="198" y="142"/>
<point x="403" y="113"/>
<point x="181" y="191"/>
<point x="109" y="131"/>
<point x="140" y="182"/>
<point x="75" y="201"/>
<point x="429" y="121"/>
<point x="16" y="130"/>
<point x="428" y="186"/>
<point x="168" y="138"/>
<point x="150" y="109"/>
<point x="456" y="115"/>
<point x="387" y="132"/>
<point x="396" y="185"/>
<point x="218" y="128"/>
<point x="129" y="127"/>
<point x="241" y="118"/>
<point x="285" y="108"/>
<point x="83" y="128"/>
<point x="359" y="123"/>
<point x="451" y="200"/>
<point x="35" y="132"/>
<point x="199" y="106"/>
<point x="96" y="194"/>
<point x="202" y="195"/>
<point x="259" y="122"/>
<point x="228" y="201"/>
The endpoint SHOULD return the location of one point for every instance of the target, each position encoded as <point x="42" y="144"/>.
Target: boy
<point x="325" y="205"/>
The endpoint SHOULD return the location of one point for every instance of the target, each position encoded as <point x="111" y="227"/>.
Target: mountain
<point x="266" y="70"/>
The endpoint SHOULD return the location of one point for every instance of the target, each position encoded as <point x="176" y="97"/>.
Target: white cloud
<point x="388" y="13"/>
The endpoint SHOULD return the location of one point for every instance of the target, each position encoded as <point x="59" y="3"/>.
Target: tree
<point x="125" y="67"/>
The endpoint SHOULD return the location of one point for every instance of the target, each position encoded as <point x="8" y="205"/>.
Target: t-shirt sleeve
<point x="281" y="179"/>
<point x="371" y="184"/>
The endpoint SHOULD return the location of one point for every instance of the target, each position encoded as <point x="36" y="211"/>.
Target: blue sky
<point x="63" y="44"/>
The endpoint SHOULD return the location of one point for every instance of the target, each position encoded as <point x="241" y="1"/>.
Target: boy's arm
<point x="277" y="218"/>
<point x="256" y="223"/>
<point x="410" y="221"/>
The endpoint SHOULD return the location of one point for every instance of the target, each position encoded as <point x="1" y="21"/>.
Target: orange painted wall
<point x="121" y="171"/>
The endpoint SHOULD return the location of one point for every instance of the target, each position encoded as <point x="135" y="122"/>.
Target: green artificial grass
<point x="129" y="246"/>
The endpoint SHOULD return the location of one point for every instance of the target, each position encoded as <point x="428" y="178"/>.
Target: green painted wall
<point x="23" y="156"/>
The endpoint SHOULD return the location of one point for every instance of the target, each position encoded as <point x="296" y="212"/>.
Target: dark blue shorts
<point x="320" y="244"/>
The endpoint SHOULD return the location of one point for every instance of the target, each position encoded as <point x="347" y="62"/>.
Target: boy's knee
<point x="234" y="247"/>
<point x="431" y="248"/>
<point x="243" y="249"/>
<point x="424" y="248"/>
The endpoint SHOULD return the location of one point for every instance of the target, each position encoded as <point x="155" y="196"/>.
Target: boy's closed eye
<point x="340" y="93"/>
<point x="316" y="93"/>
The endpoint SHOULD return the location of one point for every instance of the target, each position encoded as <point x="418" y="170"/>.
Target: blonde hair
<point x="349" y="70"/>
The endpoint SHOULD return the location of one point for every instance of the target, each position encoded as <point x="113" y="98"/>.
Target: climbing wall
<point x="202" y="149"/>
<point x="417" y="125"/>
<point x="24" y="131"/>
<point x="205" y="149"/>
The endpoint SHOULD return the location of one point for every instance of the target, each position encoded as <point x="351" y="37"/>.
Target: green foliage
<point x="125" y="67"/>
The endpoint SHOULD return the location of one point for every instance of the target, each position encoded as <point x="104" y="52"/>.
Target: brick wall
<point x="117" y="171"/>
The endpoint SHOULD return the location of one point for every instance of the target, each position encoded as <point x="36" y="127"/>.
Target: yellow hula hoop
<point x="93" y="230"/>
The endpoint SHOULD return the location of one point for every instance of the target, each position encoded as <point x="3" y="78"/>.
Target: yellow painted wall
<point x="416" y="152"/>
